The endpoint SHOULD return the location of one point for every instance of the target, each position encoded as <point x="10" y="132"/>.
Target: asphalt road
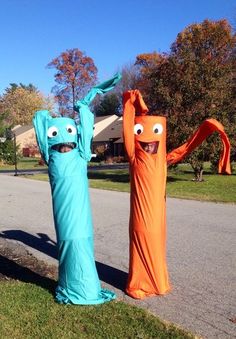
<point x="201" y="250"/>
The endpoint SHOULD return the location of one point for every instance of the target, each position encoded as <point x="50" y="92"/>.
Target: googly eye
<point x="138" y="129"/>
<point x="71" y="129"/>
<point x="157" y="128"/>
<point x="52" y="132"/>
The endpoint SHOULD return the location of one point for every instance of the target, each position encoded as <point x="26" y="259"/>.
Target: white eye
<point x="52" y="132"/>
<point x="157" y="128"/>
<point x="138" y="129"/>
<point x="71" y="129"/>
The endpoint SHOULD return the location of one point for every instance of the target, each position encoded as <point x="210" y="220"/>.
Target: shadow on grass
<point x="114" y="177"/>
<point x="44" y="244"/>
<point x="175" y="179"/>
<point x="9" y="268"/>
<point x="124" y="177"/>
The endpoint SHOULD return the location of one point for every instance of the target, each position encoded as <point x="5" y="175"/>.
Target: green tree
<point x="7" y="152"/>
<point x="108" y="105"/>
<point x="6" y="144"/>
<point x="3" y="125"/>
<point x="13" y="86"/>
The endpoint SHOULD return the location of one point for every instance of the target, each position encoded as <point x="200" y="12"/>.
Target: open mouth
<point x="150" y="147"/>
<point x="64" y="147"/>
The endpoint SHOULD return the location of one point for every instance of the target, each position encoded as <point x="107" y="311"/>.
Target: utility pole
<point x="15" y="155"/>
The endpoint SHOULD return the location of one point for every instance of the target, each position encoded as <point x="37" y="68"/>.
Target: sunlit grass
<point x="217" y="188"/>
<point x="29" y="311"/>
<point x="24" y="163"/>
<point x="180" y="184"/>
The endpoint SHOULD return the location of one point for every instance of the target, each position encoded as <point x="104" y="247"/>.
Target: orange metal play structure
<point x="145" y="143"/>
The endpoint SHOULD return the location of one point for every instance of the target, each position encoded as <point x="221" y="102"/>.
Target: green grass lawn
<point x="217" y="188"/>
<point x="180" y="184"/>
<point x="29" y="311"/>
<point x="23" y="163"/>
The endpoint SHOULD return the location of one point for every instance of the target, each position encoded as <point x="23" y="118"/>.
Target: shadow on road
<point x="44" y="244"/>
<point x="41" y="243"/>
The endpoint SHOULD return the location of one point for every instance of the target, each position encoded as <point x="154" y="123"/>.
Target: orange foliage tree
<point x="195" y="81"/>
<point x="75" y="74"/>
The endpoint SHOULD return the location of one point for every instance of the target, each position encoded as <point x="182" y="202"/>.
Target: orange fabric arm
<point x="132" y="103"/>
<point x="205" y="129"/>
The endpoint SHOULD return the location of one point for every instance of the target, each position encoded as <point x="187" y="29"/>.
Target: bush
<point x="7" y="152"/>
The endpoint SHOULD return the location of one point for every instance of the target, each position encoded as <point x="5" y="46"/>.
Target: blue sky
<point x="112" y="33"/>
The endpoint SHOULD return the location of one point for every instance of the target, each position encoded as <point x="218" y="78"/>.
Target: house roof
<point x="18" y="130"/>
<point x="101" y="123"/>
<point x="98" y="119"/>
<point x="113" y="131"/>
<point x="119" y="141"/>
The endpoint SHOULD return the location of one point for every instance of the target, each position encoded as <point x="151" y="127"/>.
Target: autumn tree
<point x="75" y="74"/>
<point x="154" y="69"/>
<point x="19" y="103"/>
<point x="195" y="82"/>
<point x="205" y="56"/>
<point x="129" y="79"/>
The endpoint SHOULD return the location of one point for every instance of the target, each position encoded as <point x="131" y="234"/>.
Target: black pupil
<point x="156" y="130"/>
<point x="54" y="133"/>
<point x="139" y="131"/>
<point x="70" y="130"/>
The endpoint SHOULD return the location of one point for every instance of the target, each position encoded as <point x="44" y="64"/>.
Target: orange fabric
<point x="147" y="268"/>
<point x="206" y="128"/>
<point x="147" y="228"/>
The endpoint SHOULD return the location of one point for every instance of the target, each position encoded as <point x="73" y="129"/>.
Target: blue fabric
<point x="78" y="281"/>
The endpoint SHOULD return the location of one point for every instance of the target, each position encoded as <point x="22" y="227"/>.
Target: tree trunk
<point x="198" y="175"/>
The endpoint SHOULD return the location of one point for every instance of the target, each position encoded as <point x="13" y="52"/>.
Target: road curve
<point x="201" y="251"/>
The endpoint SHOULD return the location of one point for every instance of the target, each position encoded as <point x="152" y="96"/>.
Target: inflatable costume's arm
<point x="40" y="122"/>
<point x="132" y="103"/>
<point x="205" y="129"/>
<point x="85" y="128"/>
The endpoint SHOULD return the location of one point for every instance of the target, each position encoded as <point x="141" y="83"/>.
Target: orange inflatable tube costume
<point x="145" y="143"/>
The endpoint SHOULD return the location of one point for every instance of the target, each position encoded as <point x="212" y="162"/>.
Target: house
<point x="110" y="138"/>
<point x="26" y="140"/>
<point x="100" y="123"/>
<point x="107" y="135"/>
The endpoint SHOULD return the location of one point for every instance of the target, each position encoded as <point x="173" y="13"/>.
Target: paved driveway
<point x="201" y="250"/>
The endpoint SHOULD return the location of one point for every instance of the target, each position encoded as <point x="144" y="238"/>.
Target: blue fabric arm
<point x="40" y="123"/>
<point x="85" y="129"/>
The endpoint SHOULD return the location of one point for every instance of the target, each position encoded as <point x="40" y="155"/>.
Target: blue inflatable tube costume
<point x="65" y="148"/>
